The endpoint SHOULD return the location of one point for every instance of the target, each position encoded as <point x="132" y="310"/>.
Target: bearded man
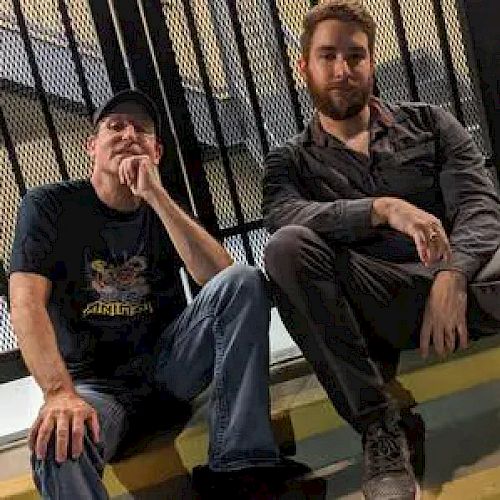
<point x="385" y="228"/>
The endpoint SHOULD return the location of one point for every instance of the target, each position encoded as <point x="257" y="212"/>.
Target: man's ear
<point x="90" y="145"/>
<point x="302" y="66"/>
<point x="158" y="151"/>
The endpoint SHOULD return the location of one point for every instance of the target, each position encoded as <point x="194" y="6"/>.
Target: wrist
<point x="380" y="211"/>
<point x="57" y="388"/>
<point x="452" y="275"/>
<point x="155" y="196"/>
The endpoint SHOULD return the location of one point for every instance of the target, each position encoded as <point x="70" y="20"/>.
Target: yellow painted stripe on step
<point x="143" y="470"/>
<point x="310" y="414"/>
<point x="455" y="375"/>
<point x="314" y="414"/>
<point x="140" y="471"/>
<point x="19" y="488"/>
<point x="482" y="485"/>
<point x="192" y="446"/>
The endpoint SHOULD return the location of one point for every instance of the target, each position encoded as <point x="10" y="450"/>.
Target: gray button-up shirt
<point x="419" y="153"/>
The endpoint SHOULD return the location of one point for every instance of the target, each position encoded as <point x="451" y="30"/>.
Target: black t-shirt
<point x="115" y="277"/>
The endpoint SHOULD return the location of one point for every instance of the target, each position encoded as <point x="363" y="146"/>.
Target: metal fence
<point x="225" y="73"/>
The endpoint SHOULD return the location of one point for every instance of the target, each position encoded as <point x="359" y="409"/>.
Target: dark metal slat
<point x="39" y="89"/>
<point x="403" y="47"/>
<point x="294" y="97"/>
<point x="445" y="49"/>
<point x="217" y="126"/>
<point x="77" y="60"/>
<point x="11" y="151"/>
<point x="247" y="74"/>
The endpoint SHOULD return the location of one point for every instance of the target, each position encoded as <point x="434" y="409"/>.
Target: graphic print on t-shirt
<point x="122" y="288"/>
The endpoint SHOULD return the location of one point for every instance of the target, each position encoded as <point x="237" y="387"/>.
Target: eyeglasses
<point x="140" y="126"/>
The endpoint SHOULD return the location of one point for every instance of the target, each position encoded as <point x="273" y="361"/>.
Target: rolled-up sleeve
<point x="470" y="196"/>
<point x="342" y="220"/>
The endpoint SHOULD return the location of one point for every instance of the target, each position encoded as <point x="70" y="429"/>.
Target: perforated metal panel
<point x="249" y="49"/>
<point x="7" y="340"/>
<point x="47" y="90"/>
<point x="391" y="73"/>
<point x="291" y="15"/>
<point x="472" y="107"/>
<point x="237" y="60"/>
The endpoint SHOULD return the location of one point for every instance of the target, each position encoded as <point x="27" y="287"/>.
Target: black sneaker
<point x="241" y="485"/>
<point x="388" y="473"/>
<point x="256" y="483"/>
<point x="414" y="428"/>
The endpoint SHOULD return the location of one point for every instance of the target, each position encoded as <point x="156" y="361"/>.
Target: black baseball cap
<point x="129" y="96"/>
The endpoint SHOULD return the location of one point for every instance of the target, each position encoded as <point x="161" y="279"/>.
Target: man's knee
<point x="240" y="279"/>
<point x="52" y="477"/>
<point x="292" y="248"/>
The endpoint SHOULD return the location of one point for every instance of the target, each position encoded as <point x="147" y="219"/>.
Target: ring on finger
<point x="433" y="236"/>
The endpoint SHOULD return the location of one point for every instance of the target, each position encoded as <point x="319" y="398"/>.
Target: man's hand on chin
<point x="445" y="315"/>
<point x="141" y="175"/>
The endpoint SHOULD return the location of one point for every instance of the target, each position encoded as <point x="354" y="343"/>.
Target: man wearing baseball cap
<point x="98" y="309"/>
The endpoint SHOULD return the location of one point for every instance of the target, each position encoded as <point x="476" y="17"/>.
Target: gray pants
<point x="351" y="314"/>
<point x="222" y="337"/>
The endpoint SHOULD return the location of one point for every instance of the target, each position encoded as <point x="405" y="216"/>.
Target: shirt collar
<point x="381" y="117"/>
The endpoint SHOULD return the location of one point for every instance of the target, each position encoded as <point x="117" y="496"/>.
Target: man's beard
<point x="342" y="106"/>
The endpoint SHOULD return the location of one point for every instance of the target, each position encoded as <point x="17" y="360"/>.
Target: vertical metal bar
<point x="11" y="152"/>
<point x="445" y="49"/>
<point x="167" y="108"/>
<point x="39" y="89"/>
<point x="77" y="61"/>
<point x="247" y="74"/>
<point x="3" y="280"/>
<point x="294" y="97"/>
<point x="482" y="21"/>
<point x="217" y="128"/>
<point x="157" y="73"/>
<point x="121" y="43"/>
<point x="403" y="47"/>
<point x="472" y="65"/>
<point x="110" y="47"/>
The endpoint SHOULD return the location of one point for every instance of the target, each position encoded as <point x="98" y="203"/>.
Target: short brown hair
<point x="347" y="11"/>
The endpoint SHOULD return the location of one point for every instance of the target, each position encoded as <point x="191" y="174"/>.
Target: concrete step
<point x="459" y="399"/>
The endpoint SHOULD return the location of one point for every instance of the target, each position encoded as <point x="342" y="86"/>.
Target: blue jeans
<point x="222" y="337"/>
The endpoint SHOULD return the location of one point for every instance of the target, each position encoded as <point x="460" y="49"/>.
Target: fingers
<point x="130" y="168"/>
<point x="68" y="424"/>
<point x="425" y="335"/>
<point x="431" y="242"/>
<point x="62" y="436"/>
<point x="94" y="426"/>
<point x="463" y="335"/>
<point x="438" y="336"/>
<point x="438" y="243"/>
<point x="33" y="433"/>
<point x="43" y="436"/>
<point x="77" y="433"/>
<point x="421" y="244"/>
<point x="449" y="341"/>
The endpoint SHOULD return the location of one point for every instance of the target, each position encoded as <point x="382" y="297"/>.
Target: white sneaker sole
<point x="418" y="493"/>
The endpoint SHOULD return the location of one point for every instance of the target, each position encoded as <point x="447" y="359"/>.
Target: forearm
<point x="37" y="341"/>
<point x="471" y="198"/>
<point x="344" y="221"/>
<point x="285" y="203"/>
<point x="474" y="238"/>
<point x="202" y="255"/>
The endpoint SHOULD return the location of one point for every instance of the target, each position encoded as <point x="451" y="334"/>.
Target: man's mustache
<point x="131" y="150"/>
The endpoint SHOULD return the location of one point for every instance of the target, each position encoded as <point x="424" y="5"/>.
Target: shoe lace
<point x="384" y="452"/>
